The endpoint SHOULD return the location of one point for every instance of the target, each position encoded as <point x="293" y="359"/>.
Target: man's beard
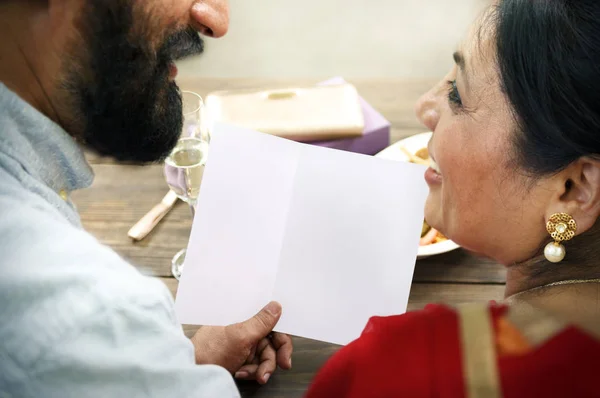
<point x="125" y="104"/>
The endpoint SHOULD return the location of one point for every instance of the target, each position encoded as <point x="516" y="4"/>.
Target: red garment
<point x="419" y="354"/>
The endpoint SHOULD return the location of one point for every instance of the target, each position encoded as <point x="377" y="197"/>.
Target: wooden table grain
<point x="121" y="194"/>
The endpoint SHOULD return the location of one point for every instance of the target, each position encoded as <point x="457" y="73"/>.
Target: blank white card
<point x="331" y="235"/>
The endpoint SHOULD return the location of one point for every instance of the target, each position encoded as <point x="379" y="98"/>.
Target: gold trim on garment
<point x="480" y="366"/>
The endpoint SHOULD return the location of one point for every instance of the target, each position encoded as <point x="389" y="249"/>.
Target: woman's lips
<point x="432" y="177"/>
<point x="432" y="174"/>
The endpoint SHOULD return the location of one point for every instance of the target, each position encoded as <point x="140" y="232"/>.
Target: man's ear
<point x="578" y="193"/>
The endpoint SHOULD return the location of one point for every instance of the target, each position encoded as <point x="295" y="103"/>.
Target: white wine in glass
<point x="188" y="159"/>
<point x="184" y="170"/>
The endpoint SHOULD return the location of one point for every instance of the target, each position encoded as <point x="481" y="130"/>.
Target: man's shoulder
<point x="35" y="233"/>
<point x="41" y="249"/>
<point x="56" y="277"/>
<point x="83" y="297"/>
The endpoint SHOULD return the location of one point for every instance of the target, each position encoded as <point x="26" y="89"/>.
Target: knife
<point x="147" y="223"/>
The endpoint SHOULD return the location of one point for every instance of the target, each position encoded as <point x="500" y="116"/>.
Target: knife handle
<point x="147" y="223"/>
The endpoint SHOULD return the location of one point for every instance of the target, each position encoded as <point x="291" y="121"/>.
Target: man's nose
<point x="210" y="17"/>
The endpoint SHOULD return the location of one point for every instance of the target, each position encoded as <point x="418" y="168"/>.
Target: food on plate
<point x="423" y="153"/>
<point x="416" y="159"/>
<point x="429" y="235"/>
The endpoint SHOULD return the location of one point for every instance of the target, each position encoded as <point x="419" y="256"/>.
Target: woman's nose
<point x="427" y="111"/>
<point x="210" y="17"/>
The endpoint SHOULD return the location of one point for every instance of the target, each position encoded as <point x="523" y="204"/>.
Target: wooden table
<point x="121" y="194"/>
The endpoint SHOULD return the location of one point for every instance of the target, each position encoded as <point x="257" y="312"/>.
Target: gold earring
<point x="561" y="227"/>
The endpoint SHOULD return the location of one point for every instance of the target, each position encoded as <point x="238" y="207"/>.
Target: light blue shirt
<point x="76" y="320"/>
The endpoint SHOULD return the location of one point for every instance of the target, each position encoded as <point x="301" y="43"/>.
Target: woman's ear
<point x="578" y="193"/>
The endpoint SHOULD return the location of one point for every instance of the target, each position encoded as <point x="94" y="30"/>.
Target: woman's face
<point x="480" y="198"/>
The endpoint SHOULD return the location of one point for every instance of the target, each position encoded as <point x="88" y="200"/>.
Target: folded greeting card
<point x="331" y="235"/>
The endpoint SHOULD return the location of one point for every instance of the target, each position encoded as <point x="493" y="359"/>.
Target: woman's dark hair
<point x="548" y="54"/>
<point x="548" y="58"/>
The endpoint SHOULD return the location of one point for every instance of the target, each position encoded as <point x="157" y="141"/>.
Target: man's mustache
<point x="182" y="44"/>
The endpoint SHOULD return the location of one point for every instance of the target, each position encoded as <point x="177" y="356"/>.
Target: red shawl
<point x="422" y="354"/>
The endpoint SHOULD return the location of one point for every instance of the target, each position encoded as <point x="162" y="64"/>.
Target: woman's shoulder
<point x="419" y="348"/>
<point x="470" y="350"/>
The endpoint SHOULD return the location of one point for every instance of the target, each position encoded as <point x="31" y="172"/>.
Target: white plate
<point x="393" y="152"/>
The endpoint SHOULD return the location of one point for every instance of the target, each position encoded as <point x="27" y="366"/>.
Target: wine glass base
<point x="177" y="263"/>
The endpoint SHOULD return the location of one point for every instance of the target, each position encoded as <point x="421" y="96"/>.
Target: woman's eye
<point x="453" y="94"/>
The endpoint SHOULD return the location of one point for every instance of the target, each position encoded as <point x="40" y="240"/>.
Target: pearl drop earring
<point x="561" y="227"/>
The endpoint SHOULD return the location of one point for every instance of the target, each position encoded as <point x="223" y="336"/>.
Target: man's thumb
<point x="261" y="324"/>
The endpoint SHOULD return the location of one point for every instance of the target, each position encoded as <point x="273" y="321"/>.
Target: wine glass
<point x="184" y="166"/>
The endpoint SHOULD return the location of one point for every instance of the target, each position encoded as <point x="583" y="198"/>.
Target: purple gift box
<point x="376" y="134"/>
<point x="376" y="137"/>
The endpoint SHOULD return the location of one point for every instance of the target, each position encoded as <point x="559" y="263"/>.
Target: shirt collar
<point x="42" y="147"/>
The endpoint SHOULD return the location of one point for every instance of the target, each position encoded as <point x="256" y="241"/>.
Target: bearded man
<point x="78" y="320"/>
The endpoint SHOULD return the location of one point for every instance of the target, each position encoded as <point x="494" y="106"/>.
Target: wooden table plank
<point x="310" y="355"/>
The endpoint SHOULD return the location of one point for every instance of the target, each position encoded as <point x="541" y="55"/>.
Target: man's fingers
<point x="252" y="356"/>
<point x="262" y="344"/>
<point x="247" y="372"/>
<point x="267" y="364"/>
<point x="261" y="324"/>
<point x="284" y="346"/>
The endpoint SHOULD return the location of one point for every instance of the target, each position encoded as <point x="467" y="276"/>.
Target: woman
<point x="516" y="139"/>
